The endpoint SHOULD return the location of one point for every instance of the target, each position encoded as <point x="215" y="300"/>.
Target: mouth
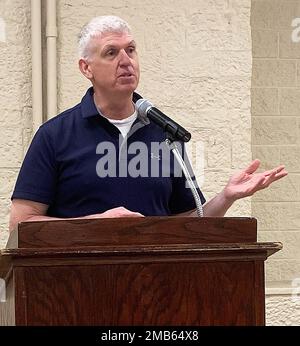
<point x="126" y="75"/>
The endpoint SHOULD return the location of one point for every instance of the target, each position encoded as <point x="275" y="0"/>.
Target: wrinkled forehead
<point x="98" y="43"/>
<point x="117" y="39"/>
<point x="113" y="38"/>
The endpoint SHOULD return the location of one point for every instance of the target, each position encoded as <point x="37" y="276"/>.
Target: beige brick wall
<point x="15" y="97"/>
<point x="276" y="140"/>
<point x="282" y="310"/>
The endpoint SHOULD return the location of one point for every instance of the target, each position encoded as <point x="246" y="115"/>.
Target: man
<point x="61" y="174"/>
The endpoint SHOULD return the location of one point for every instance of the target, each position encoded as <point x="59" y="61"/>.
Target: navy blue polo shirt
<point x="79" y="164"/>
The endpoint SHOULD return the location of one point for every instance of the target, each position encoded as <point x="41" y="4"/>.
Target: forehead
<point x="113" y="39"/>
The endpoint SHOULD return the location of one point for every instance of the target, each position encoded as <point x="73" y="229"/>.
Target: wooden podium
<point x="166" y="271"/>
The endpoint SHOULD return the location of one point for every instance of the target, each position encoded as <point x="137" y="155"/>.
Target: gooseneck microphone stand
<point x="173" y="147"/>
<point x="173" y="131"/>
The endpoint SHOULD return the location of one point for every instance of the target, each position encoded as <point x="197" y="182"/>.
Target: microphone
<point x="146" y="109"/>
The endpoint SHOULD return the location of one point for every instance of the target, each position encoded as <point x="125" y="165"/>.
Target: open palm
<point x="246" y="182"/>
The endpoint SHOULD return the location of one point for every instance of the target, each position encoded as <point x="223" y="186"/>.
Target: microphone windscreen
<point x="142" y="106"/>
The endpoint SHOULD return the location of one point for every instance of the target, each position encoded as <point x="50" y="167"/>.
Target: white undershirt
<point x="123" y="125"/>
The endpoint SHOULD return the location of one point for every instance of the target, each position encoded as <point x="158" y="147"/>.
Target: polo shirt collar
<point x="89" y="109"/>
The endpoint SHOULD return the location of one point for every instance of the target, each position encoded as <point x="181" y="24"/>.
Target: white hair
<point x="98" y="26"/>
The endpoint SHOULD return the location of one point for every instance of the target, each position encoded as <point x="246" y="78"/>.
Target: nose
<point x="124" y="58"/>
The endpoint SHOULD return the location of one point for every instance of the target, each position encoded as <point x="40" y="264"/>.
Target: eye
<point x="110" y="53"/>
<point x="130" y="49"/>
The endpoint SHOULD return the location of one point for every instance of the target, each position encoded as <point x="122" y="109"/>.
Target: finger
<point x="133" y="215"/>
<point x="128" y="213"/>
<point x="276" y="170"/>
<point x="281" y="174"/>
<point x="281" y="170"/>
<point x="252" y="167"/>
<point x="268" y="180"/>
<point x="138" y="214"/>
<point x="274" y="177"/>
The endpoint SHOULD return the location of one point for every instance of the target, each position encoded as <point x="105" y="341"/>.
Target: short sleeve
<point x="38" y="174"/>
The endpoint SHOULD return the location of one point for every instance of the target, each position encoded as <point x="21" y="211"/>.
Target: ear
<point x="85" y="69"/>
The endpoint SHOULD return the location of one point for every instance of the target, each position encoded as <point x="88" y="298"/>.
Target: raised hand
<point x="246" y="182"/>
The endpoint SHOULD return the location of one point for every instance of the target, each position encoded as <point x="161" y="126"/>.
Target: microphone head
<point x="142" y="107"/>
<point x="146" y="111"/>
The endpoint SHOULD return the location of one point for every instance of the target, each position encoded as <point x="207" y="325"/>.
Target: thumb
<point x="252" y="167"/>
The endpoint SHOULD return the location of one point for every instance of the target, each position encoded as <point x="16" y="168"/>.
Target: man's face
<point x="113" y="63"/>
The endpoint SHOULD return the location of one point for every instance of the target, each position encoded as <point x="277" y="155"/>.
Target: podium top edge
<point x="154" y="218"/>
<point x="126" y="231"/>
